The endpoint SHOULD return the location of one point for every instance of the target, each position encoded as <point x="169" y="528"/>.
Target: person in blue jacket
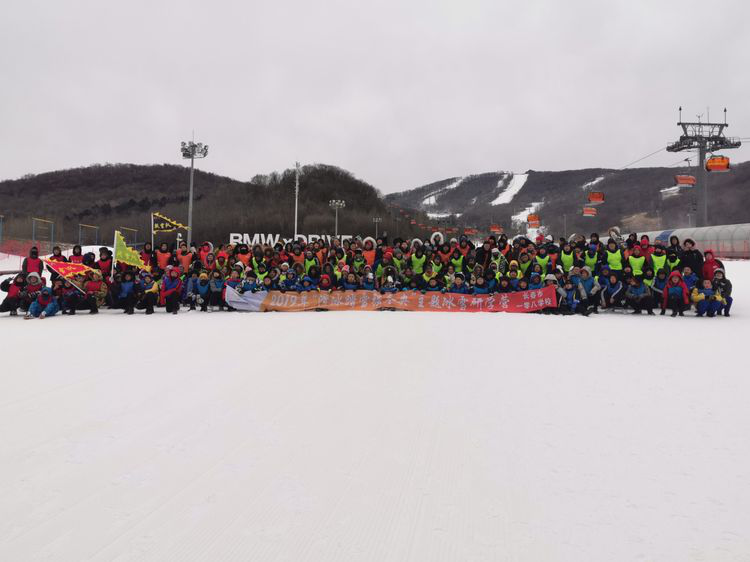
<point x="536" y="282"/>
<point x="569" y="298"/>
<point x="389" y="286"/>
<point x="432" y="286"/>
<point x="44" y="305"/>
<point x="588" y="288"/>
<point x="290" y="281"/>
<point x="126" y="297"/>
<point x="706" y="299"/>
<point x="638" y="296"/>
<point x="349" y="283"/>
<point x="613" y="293"/>
<point x="689" y="277"/>
<point x="480" y="287"/>
<point x="216" y="292"/>
<point x="459" y="287"/>
<point x="657" y="289"/>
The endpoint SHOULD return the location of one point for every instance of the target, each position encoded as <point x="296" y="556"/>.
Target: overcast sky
<point x="401" y="93"/>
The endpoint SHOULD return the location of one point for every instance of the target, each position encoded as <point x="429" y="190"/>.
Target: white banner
<point x="273" y="239"/>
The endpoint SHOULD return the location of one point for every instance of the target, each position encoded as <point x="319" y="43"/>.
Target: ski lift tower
<point x="703" y="137"/>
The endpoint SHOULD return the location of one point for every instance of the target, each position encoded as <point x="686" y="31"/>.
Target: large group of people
<point x="588" y="275"/>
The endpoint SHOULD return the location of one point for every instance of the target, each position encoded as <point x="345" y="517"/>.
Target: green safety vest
<point x="309" y="264"/>
<point x="659" y="262"/>
<point x="648" y="282"/>
<point x="458" y="263"/>
<point x="544" y="262"/>
<point x="437" y="266"/>
<point x="524" y="265"/>
<point x="501" y="262"/>
<point x="673" y="264"/>
<point x="636" y="262"/>
<point x="614" y="259"/>
<point x="591" y="261"/>
<point x="567" y="261"/>
<point x="399" y="264"/>
<point x="417" y="264"/>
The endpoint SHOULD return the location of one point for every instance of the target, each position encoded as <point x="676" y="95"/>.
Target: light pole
<point x="336" y="204"/>
<point x="192" y="151"/>
<point x="377" y="221"/>
<point x="296" y="197"/>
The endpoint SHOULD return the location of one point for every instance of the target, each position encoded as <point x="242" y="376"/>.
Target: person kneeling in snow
<point x="639" y="296"/>
<point x="676" y="295"/>
<point x="724" y="286"/>
<point x="15" y="289"/>
<point x="707" y="300"/>
<point x="44" y="305"/>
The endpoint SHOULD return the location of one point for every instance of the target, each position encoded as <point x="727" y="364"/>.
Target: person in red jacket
<point x="710" y="265"/>
<point x="15" y="290"/>
<point x="171" y="290"/>
<point x="104" y="263"/>
<point x="676" y="295"/>
<point x="77" y="255"/>
<point x="33" y="263"/>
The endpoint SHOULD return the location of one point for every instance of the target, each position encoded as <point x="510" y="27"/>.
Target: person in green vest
<point x="543" y="259"/>
<point x="566" y="258"/>
<point x="659" y="258"/>
<point x="591" y="258"/>
<point x="499" y="260"/>
<point x="524" y="262"/>
<point x="648" y="277"/>
<point x="457" y="260"/>
<point x="637" y="261"/>
<point x="310" y="260"/>
<point x="418" y="260"/>
<point x="614" y="257"/>
<point x="673" y="261"/>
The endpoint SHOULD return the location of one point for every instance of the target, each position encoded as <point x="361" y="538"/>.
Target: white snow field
<point x="376" y="436"/>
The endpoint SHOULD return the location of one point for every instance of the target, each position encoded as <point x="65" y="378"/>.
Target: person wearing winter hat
<point x="638" y="295"/>
<point x="675" y="295"/>
<point x="44" y="305"/>
<point x="147" y="290"/>
<point x="588" y="288"/>
<point x="34" y="285"/>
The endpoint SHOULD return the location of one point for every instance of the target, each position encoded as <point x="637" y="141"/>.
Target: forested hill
<point x="116" y="195"/>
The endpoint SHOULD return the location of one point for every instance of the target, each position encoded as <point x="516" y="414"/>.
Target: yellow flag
<point x="126" y="254"/>
<point x="165" y="224"/>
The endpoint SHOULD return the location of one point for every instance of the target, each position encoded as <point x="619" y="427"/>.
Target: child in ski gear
<point x="44" y="305"/>
<point x="638" y="296"/>
<point x="724" y="287"/>
<point x="706" y="299"/>
<point x="676" y="294"/>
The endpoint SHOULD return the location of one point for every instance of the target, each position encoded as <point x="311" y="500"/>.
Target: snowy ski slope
<point x="376" y="436"/>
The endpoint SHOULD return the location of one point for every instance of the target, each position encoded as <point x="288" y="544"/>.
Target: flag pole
<point x="114" y="259"/>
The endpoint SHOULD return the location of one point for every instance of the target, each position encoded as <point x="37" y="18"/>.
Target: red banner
<point x="66" y="269"/>
<point x="524" y="301"/>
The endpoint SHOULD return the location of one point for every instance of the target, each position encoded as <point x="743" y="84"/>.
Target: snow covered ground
<point x="514" y="187"/>
<point x="376" y="436"/>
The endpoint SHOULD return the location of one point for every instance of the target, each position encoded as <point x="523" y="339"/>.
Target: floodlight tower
<point x="191" y="150"/>
<point x="336" y="204"/>
<point x="705" y="138"/>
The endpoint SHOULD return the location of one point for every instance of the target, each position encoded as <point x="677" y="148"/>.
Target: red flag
<point x="66" y="269"/>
